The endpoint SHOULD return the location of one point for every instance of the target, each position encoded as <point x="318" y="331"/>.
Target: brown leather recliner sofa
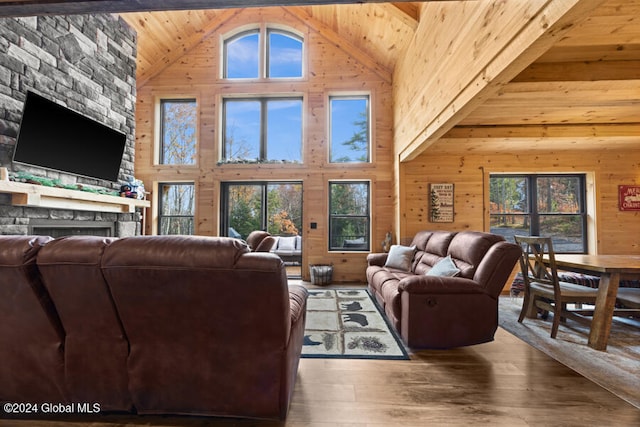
<point x="150" y="324"/>
<point x="436" y="311"/>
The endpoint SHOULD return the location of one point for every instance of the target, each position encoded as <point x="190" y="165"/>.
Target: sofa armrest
<point x="420" y="284"/>
<point x="377" y="259"/>
<point x="297" y="302"/>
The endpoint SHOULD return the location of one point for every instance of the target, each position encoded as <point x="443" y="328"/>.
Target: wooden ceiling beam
<point x="500" y="59"/>
<point x="580" y="71"/>
<point x="490" y="140"/>
<point x="555" y="131"/>
<point x="410" y="10"/>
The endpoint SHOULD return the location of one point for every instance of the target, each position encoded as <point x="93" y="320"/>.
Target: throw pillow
<point x="444" y="268"/>
<point x="287" y="243"/>
<point x="400" y="257"/>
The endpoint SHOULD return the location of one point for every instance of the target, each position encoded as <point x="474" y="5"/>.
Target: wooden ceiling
<point x="66" y="7"/>
<point x="587" y="85"/>
<point x="379" y="30"/>
<point x="591" y="76"/>
<point x="583" y="92"/>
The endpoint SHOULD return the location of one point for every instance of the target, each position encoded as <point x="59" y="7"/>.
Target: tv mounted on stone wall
<point x="55" y="137"/>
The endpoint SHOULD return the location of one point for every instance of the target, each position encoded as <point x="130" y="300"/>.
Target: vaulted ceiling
<point x="378" y="30"/>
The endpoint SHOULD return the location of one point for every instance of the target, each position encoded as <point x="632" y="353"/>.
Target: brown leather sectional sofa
<point x="150" y="324"/>
<point x="444" y="312"/>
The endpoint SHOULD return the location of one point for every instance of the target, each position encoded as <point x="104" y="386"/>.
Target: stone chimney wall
<point x="84" y="62"/>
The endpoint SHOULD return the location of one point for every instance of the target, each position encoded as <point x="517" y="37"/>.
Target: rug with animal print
<point x="347" y="323"/>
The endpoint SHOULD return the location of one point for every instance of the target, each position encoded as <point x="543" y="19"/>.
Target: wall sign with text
<point x="441" y="202"/>
<point x="629" y="197"/>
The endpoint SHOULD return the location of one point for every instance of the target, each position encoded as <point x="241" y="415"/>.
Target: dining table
<point x="611" y="269"/>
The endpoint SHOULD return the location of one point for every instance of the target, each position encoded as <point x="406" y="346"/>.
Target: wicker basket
<point x="321" y="274"/>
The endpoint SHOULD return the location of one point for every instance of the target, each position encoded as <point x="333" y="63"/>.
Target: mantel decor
<point x="441" y="202"/>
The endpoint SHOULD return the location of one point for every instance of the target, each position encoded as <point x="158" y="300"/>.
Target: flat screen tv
<point x="55" y="137"/>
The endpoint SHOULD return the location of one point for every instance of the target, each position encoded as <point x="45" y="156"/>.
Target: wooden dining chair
<point x="543" y="290"/>
<point x="628" y="300"/>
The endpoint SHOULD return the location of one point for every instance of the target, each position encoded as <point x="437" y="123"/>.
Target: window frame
<point x="263" y="55"/>
<point x="159" y="202"/>
<point x="159" y="156"/>
<point x="350" y="96"/>
<point x="367" y="216"/>
<point x="267" y="52"/>
<point x="264" y="202"/>
<point x="225" y="53"/>
<point x="532" y="203"/>
<point x="264" y="128"/>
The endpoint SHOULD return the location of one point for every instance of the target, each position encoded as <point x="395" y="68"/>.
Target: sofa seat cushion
<point x="383" y="284"/>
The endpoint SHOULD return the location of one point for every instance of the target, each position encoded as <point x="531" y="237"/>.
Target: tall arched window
<point x="263" y="53"/>
<point x="242" y="56"/>
<point x="284" y="55"/>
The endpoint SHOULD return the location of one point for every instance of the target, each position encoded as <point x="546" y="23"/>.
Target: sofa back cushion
<point x="287" y="243"/>
<point x="431" y="247"/>
<point x="31" y="334"/>
<point x="96" y="348"/>
<point x="468" y="248"/>
<point x="191" y="305"/>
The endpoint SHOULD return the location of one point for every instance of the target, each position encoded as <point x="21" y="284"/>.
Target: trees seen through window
<point x="349" y="129"/>
<point x="178" y="119"/>
<point x="545" y="205"/>
<point x="349" y="216"/>
<point x="176" y="208"/>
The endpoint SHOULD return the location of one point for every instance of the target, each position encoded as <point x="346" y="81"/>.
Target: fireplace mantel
<point x="60" y="198"/>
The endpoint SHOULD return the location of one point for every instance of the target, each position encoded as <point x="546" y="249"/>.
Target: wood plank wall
<point x="613" y="231"/>
<point x="331" y="67"/>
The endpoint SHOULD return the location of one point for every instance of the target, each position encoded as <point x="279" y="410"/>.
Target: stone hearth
<point x="25" y="220"/>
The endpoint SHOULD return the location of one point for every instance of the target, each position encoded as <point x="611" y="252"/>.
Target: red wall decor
<point x="629" y="197"/>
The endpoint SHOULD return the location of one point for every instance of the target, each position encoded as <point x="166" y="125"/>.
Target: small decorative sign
<point x="441" y="202"/>
<point x="629" y="197"/>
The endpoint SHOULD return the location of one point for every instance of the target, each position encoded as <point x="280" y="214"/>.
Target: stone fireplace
<point x="56" y="228"/>
<point x="64" y="222"/>
<point x="88" y="64"/>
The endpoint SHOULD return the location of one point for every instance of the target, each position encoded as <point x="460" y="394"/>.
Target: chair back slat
<point x="542" y="289"/>
<point x="532" y="261"/>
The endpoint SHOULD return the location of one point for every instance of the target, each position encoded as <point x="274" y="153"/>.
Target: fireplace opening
<point x="58" y="228"/>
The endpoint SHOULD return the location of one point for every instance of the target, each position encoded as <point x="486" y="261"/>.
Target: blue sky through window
<point x="271" y="128"/>
<point x="285" y="55"/>
<point x="284" y="129"/>
<point x="349" y="121"/>
<point x="243" y="128"/>
<point x="242" y="56"/>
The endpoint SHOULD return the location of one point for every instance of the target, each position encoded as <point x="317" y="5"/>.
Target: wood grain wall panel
<point x="616" y="232"/>
<point x="331" y="69"/>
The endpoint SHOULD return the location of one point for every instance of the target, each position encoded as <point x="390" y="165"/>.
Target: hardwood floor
<point x="503" y="383"/>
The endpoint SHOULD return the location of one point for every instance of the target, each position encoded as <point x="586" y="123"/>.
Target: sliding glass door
<point x="272" y="206"/>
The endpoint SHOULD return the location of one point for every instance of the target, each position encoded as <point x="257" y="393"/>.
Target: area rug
<point x="347" y="323"/>
<point x="617" y="369"/>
